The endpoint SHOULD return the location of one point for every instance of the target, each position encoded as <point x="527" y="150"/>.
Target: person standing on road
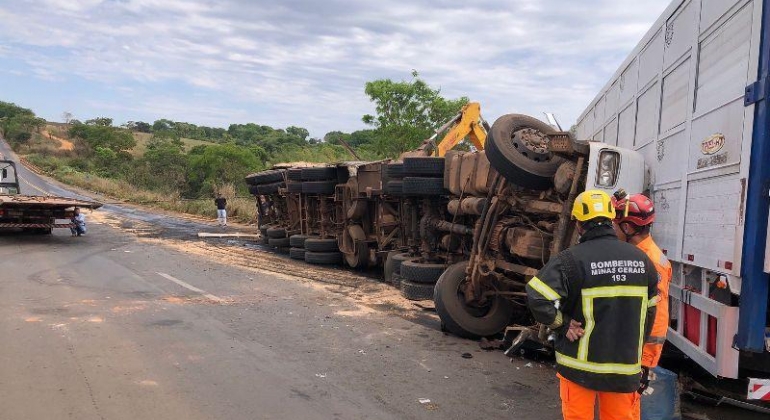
<point x="599" y="298"/>
<point x="79" y="222"/>
<point x="221" y="204"/>
<point x="634" y="217"/>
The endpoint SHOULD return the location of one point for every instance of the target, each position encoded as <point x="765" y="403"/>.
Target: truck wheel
<point x="395" y="170"/>
<point x="319" y="187"/>
<point x="298" y="241"/>
<point x="464" y="320"/>
<point x="297" y="253"/>
<point x="265" y="177"/>
<point x="517" y="147"/>
<point x="294" y="187"/>
<point x="396" y="280"/>
<point x="279" y="242"/>
<point x="321" y="245"/>
<point x="319" y="174"/>
<point x="418" y="186"/>
<point x="424" y="166"/>
<point x="276" y="232"/>
<point x="267" y="189"/>
<point x="263" y="232"/>
<point x="393" y="265"/>
<point x="294" y="174"/>
<point x="416" y="291"/>
<point x="394" y="188"/>
<point x="425" y="273"/>
<point x="253" y="190"/>
<point x="323" y="257"/>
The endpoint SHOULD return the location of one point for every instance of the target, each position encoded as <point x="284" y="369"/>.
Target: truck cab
<point x="9" y="183"/>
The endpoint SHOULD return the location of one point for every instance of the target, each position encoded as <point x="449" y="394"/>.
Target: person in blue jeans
<point x="79" y="220"/>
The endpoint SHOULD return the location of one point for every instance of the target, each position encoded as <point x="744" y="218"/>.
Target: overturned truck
<point x="466" y="230"/>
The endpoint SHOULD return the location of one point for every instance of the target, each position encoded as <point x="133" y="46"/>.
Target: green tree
<point x="220" y="164"/>
<point x="163" y="166"/>
<point x="407" y="112"/>
<point x="100" y="122"/>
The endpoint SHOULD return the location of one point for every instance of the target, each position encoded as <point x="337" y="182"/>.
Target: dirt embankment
<point x="64" y="143"/>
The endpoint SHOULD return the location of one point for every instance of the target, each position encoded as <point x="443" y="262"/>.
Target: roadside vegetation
<point x="180" y="166"/>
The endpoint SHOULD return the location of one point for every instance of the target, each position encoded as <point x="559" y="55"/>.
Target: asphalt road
<point x="114" y="326"/>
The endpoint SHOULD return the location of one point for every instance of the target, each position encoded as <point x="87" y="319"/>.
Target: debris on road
<point x="467" y="356"/>
<point x="486" y="344"/>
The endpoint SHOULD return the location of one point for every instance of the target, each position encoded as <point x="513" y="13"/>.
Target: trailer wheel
<point x="319" y="187"/>
<point x="279" y="242"/>
<point x="392" y="266"/>
<point x="294" y="187"/>
<point x="394" y="188"/>
<point x="464" y="320"/>
<point x="418" y="186"/>
<point x="297" y="254"/>
<point x="265" y="177"/>
<point x="517" y="147"/>
<point x="395" y="170"/>
<point x="267" y="189"/>
<point x="424" y="166"/>
<point x="276" y="232"/>
<point x="294" y="174"/>
<point x="319" y="174"/>
<point x="321" y="245"/>
<point x="323" y="257"/>
<point x="298" y="241"/>
<point x="425" y="273"/>
<point x="416" y="291"/>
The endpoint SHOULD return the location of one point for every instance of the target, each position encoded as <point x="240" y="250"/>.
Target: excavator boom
<point x="468" y="123"/>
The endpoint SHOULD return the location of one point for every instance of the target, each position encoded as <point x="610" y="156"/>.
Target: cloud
<point x="305" y="62"/>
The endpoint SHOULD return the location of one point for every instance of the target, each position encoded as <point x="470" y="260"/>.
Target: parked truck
<point x="38" y="214"/>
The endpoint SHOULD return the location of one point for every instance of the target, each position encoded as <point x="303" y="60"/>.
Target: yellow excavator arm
<point x="468" y="123"/>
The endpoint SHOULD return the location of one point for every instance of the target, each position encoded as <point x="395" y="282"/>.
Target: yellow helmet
<point x="592" y="204"/>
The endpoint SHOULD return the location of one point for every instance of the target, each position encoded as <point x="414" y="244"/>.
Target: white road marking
<point x="191" y="287"/>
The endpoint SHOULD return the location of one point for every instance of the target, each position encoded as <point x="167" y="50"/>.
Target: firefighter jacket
<point x="654" y="345"/>
<point x="610" y="287"/>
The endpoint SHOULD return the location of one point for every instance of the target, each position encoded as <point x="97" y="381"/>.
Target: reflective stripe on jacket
<point x="654" y="345"/>
<point x="610" y="287"/>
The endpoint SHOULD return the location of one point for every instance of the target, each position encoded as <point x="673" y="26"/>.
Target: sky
<point x="305" y="62"/>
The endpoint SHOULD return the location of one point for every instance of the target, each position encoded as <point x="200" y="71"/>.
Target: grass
<point x="239" y="209"/>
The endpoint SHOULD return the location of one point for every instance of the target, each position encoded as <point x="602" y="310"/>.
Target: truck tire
<point x="294" y="174"/>
<point x="297" y="253"/>
<point x="294" y="187"/>
<point x="513" y="152"/>
<point x="265" y="177"/>
<point x="432" y="166"/>
<point x="298" y="241"/>
<point x="319" y="187"/>
<point x="319" y="174"/>
<point x="417" y="272"/>
<point x="396" y="280"/>
<point x="321" y="245"/>
<point x="279" y="242"/>
<point x="395" y="188"/>
<point x="395" y="170"/>
<point x="463" y="320"/>
<point x="263" y="231"/>
<point x="418" y="186"/>
<point x="253" y="190"/>
<point x="267" y="189"/>
<point x="323" y="257"/>
<point x="416" y="291"/>
<point x="276" y="233"/>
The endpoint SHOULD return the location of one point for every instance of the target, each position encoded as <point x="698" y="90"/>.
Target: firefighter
<point x="633" y="221"/>
<point x="599" y="298"/>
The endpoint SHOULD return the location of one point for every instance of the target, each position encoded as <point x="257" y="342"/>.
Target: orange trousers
<point x="578" y="403"/>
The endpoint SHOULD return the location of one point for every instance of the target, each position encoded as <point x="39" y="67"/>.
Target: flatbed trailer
<point x="39" y="214"/>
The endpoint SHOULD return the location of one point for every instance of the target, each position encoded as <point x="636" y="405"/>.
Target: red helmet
<point x="636" y="208"/>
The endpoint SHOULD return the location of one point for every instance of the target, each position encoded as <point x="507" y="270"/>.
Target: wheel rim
<point x="532" y="144"/>
<point x="474" y="310"/>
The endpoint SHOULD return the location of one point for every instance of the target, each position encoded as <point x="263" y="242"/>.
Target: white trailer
<point x="692" y="99"/>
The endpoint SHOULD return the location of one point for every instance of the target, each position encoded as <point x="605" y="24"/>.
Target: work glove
<point x="644" y="381"/>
